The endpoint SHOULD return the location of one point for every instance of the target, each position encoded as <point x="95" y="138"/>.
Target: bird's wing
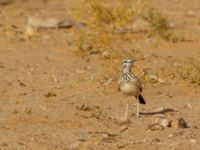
<point x="137" y="82"/>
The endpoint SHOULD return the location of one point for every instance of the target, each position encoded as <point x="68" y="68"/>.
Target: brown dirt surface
<point x="53" y="98"/>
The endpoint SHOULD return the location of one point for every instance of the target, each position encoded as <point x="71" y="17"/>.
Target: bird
<point x="130" y="85"/>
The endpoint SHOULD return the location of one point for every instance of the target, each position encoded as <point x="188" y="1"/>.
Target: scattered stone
<point x="23" y="94"/>
<point x="83" y="107"/>
<point x="190" y="13"/>
<point x="171" y="25"/>
<point x="50" y="94"/>
<point x="151" y="76"/>
<point x="105" y="136"/>
<point x="139" y="141"/>
<point x="22" y="84"/>
<point x="170" y="135"/>
<point x="123" y="128"/>
<point x="156" y="140"/>
<point x="163" y="122"/>
<point x="178" y="123"/>
<point x="170" y="95"/>
<point x="124" y="121"/>
<point x="107" y="82"/>
<point x="106" y="54"/>
<point x="155" y="126"/>
<point x="28" y="110"/>
<point x="36" y="23"/>
<point x="193" y="141"/>
<point x="74" y="146"/>
<point x="66" y="23"/>
<point x="80" y="71"/>
<point x="188" y="106"/>
<point x="122" y="145"/>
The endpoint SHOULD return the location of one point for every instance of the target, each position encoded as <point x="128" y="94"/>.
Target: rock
<point x="193" y="140"/>
<point x="188" y="106"/>
<point x="83" y="107"/>
<point x="170" y="135"/>
<point x="106" y="54"/>
<point x="105" y="136"/>
<point x="178" y="123"/>
<point x="151" y="76"/>
<point x="66" y="23"/>
<point x="163" y="122"/>
<point x="50" y="94"/>
<point x="123" y="128"/>
<point x="21" y="83"/>
<point x="28" y="110"/>
<point x="156" y="140"/>
<point x="36" y="22"/>
<point x="108" y="137"/>
<point x="190" y="13"/>
<point x="155" y="126"/>
<point x="74" y="146"/>
<point x="171" y="25"/>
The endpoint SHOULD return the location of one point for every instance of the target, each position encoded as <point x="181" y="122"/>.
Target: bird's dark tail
<point x="141" y="100"/>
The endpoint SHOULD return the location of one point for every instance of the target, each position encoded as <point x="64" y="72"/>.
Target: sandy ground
<point x="52" y="99"/>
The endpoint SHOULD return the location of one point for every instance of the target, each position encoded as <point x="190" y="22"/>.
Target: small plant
<point x="191" y="70"/>
<point x="157" y="21"/>
<point x="159" y="25"/>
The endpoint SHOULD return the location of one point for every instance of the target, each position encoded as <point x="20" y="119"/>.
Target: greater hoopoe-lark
<point x="130" y="85"/>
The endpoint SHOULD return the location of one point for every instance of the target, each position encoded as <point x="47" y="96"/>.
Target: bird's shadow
<point x="163" y="111"/>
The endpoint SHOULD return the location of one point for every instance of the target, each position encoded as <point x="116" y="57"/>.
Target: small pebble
<point x="178" y="123"/>
<point x="193" y="140"/>
<point x="123" y="128"/>
<point x="155" y="126"/>
<point x="190" y="13"/>
<point x="106" y="54"/>
<point x="170" y="135"/>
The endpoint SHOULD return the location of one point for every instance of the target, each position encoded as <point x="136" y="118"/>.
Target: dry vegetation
<point x="191" y="70"/>
<point x="106" y="26"/>
<point x="103" y="23"/>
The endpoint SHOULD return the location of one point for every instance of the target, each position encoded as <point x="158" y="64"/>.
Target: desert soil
<point x="53" y="99"/>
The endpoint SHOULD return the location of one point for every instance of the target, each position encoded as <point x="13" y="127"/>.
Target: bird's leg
<point x="126" y="112"/>
<point x="138" y="107"/>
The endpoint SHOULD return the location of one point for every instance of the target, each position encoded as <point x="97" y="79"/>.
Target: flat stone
<point x="155" y="126"/>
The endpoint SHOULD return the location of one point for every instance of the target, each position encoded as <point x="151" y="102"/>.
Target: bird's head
<point x="127" y="64"/>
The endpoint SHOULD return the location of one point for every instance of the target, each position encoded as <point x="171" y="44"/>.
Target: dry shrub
<point x="103" y="19"/>
<point x="191" y="70"/>
<point x="160" y="25"/>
